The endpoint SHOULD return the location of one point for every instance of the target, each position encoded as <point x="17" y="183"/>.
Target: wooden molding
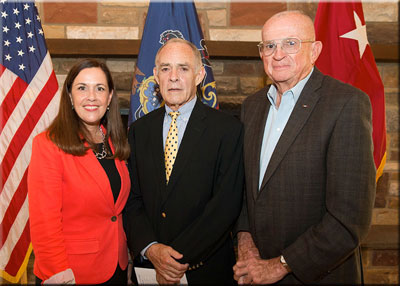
<point x="216" y="49"/>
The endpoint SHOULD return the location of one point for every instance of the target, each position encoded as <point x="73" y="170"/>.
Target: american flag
<point x="28" y="102"/>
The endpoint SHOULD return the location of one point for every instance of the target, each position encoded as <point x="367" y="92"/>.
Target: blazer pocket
<point x="82" y="246"/>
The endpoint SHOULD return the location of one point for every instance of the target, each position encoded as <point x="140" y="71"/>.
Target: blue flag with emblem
<point x="167" y="20"/>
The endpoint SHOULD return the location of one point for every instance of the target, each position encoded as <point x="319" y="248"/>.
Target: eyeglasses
<point x="288" y="45"/>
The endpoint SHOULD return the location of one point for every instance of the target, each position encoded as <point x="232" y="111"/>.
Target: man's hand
<point x="246" y="249"/>
<point x="260" y="271"/>
<point x="246" y="246"/>
<point x="169" y="271"/>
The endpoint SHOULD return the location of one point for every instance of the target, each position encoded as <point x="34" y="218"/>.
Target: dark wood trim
<point x="216" y="49"/>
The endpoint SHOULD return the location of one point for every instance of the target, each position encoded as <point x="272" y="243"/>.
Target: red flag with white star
<point x="347" y="56"/>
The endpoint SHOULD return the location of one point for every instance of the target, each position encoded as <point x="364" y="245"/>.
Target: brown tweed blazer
<point x="317" y="195"/>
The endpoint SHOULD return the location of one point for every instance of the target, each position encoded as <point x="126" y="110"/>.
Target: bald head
<point x="284" y="66"/>
<point x="298" y="23"/>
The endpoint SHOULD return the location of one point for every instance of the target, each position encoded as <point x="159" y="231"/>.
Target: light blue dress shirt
<point x="276" y="121"/>
<point x="181" y="121"/>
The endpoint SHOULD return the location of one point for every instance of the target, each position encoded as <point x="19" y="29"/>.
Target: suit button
<point x="164" y="215"/>
<point x="113" y="218"/>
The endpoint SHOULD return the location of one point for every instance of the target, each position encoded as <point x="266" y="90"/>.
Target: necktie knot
<point x="174" y="114"/>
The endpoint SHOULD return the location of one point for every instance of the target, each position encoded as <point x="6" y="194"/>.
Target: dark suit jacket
<point x="195" y="212"/>
<point x="317" y="195"/>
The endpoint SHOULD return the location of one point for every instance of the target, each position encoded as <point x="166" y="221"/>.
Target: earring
<point x="108" y="107"/>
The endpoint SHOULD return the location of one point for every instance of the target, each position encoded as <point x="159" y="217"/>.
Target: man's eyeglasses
<point x="288" y="45"/>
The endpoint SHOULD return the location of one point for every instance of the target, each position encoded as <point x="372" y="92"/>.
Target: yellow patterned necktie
<point x="171" y="145"/>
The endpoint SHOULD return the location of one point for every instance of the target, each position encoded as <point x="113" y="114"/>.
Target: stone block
<point x="254" y="14"/>
<point x="240" y="68"/>
<point x="102" y="32"/>
<point x="125" y="3"/>
<point x="393" y="203"/>
<point x="392" y="97"/>
<point x="391" y="166"/>
<point x="385" y="258"/>
<point x="381" y="190"/>
<point x="203" y="24"/>
<point x="382" y="237"/>
<point x="116" y="15"/>
<point x="309" y="7"/>
<point x="380" y="11"/>
<point x="394" y="140"/>
<point x="205" y="5"/>
<point x="117" y="66"/>
<point x="226" y="84"/>
<point x="231" y="99"/>
<point x="244" y="68"/>
<point x="71" y="13"/>
<point x="366" y="256"/>
<point x="245" y="35"/>
<point x="394" y="155"/>
<point x="124" y="99"/>
<point x="123" y="80"/>
<point x="395" y="176"/>
<point x="54" y="31"/>
<point x="383" y="33"/>
<point x="392" y="118"/>
<point x="394" y="188"/>
<point x="390" y="76"/>
<point x="385" y="217"/>
<point x="217" y="67"/>
<point x="216" y="18"/>
<point x="231" y="104"/>
<point x="249" y="85"/>
<point x="63" y="64"/>
<point x="381" y="276"/>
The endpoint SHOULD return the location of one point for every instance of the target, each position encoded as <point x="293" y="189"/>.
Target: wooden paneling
<point x="130" y="48"/>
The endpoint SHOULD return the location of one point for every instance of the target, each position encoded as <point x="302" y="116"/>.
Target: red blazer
<point x="74" y="222"/>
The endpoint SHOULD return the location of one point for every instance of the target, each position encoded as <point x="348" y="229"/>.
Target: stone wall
<point x="237" y="78"/>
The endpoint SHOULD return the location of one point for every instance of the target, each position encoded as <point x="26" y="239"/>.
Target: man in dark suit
<point x="310" y="175"/>
<point x="181" y="220"/>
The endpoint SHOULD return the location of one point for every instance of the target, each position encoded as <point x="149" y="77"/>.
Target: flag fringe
<point x="22" y="269"/>
<point x="379" y="171"/>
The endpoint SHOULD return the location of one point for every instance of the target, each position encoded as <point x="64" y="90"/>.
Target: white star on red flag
<point x="359" y="34"/>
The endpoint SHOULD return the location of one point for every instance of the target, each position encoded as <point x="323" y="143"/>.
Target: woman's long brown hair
<point x="69" y="133"/>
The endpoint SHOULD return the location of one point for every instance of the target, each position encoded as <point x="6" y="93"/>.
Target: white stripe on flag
<point x="14" y="234"/>
<point x="6" y="81"/>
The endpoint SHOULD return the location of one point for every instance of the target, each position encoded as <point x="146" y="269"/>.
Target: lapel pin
<point x="305" y="105"/>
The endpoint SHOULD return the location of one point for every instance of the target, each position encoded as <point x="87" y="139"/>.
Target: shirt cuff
<point x="145" y="249"/>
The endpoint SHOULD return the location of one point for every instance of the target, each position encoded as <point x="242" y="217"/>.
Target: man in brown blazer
<point x="310" y="174"/>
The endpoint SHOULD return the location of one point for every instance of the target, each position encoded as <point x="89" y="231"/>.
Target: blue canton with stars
<point x="23" y="47"/>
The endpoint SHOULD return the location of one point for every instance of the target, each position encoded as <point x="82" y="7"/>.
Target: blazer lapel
<point x="301" y="112"/>
<point x="125" y="185"/>
<point x="254" y="141"/>
<point x="194" y="129"/>
<point x="157" y="149"/>
<point x="94" y="169"/>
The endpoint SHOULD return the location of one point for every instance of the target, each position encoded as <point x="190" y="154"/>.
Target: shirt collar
<point x="185" y="110"/>
<point x="294" y="92"/>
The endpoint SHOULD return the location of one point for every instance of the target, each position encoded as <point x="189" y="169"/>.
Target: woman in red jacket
<point x="78" y="184"/>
